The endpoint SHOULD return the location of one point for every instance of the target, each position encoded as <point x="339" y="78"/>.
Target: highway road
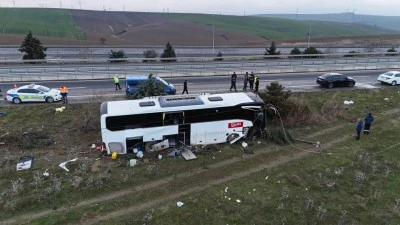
<point x="98" y="90"/>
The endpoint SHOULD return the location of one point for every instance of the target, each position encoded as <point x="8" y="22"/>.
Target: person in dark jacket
<point x="359" y="128"/>
<point x="246" y="78"/>
<point x="185" y="87"/>
<point x="251" y="80"/>
<point x="256" y="82"/>
<point x="368" y="121"/>
<point x="233" y="81"/>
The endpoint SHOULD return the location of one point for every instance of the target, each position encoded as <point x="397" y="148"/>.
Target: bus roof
<point x="178" y="102"/>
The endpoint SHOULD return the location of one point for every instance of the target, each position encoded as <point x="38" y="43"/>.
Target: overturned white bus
<point x="179" y="120"/>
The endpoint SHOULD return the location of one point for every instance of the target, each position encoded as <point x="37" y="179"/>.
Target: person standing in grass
<point x="359" y="128"/>
<point x="368" y="121"/>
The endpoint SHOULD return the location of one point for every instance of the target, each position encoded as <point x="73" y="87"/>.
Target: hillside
<point x="388" y="22"/>
<point x="86" y="27"/>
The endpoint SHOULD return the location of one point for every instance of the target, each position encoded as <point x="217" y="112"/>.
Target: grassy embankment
<point x="276" y="28"/>
<point x="346" y="181"/>
<point x="56" y="23"/>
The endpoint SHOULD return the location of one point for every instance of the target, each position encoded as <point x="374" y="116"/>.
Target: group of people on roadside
<point x="367" y="125"/>
<point x="252" y="80"/>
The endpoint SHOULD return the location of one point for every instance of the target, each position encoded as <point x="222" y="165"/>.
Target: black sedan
<point x="331" y="80"/>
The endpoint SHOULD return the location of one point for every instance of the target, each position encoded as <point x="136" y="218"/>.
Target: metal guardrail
<point x="70" y="69"/>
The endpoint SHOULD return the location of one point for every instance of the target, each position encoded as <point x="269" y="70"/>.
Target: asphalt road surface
<point x="88" y="90"/>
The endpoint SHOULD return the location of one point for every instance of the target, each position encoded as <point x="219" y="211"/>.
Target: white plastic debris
<point x="132" y="162"/>
<point x="139" y="154"/>
<point x="46" y="174"/>
<point x="93" y="146"/>
<point x="258" y="142"/>
<point x="244" y="144"/>
<point x="386" y="99"/>
<point x="226" y="189"/>
<point x="348" y="102"/>
<point x="254" y="189"/>
<point x="135" y="150"/>
<point x="179" y="204"/>
<point x="266" y="177"/>
<point x="238" y="201"/>
<point x="159" y="156"/>
<point x="62" y="165"/>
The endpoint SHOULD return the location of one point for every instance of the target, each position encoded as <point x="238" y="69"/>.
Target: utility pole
<point x="213" y="33"/>
<point x="309" y="36"/>
<point x="60" y="5"/>
<point x="14" y="3"/>
<point x="80" y="5"/>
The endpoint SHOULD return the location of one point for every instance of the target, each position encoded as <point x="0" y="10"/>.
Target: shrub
<point x="351" y="54"/>
<point x="117" y="55"/>
<point x="150" y="54"/>
<point x="312" y="51"/>
<point x="219" y="57"/>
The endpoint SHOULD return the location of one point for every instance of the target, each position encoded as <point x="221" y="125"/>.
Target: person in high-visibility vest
<point x="64" y="94"/>
<point x="116" y="82"/>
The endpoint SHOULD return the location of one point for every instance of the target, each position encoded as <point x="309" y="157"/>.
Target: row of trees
<point x="34" y="50"/>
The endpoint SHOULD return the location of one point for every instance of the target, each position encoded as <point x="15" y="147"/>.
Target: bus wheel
<point x="148" y="147"/>
<point x="232" y="137"/>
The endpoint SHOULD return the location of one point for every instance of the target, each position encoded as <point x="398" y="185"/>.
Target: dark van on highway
<point x="133" y="83"/>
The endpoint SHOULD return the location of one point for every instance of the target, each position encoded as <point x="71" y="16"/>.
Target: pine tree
<point x="150" y="87"/>
<point x="32" y="47"/>
<point x="169" y="52"/>
<point x="272" y="50"/>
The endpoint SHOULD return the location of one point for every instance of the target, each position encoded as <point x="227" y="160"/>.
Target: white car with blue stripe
<point x="33" y="93"/>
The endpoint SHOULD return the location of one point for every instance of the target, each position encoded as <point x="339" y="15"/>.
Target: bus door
<point x="178" y="118"/>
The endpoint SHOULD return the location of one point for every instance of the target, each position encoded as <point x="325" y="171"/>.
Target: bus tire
<point x="148" y="146"/>
<point x="232" y="137"/>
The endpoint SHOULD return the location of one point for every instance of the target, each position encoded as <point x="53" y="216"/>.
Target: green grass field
<point x="275" y="28"/>
<point x="345" y="182"/>
<point x="55" y="23"/>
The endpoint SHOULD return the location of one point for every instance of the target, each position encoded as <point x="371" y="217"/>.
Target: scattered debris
<point x="25" y="162"/>
<point x="132" y="162"/>
<point x="238" y="201"/>
<point x="160" y="146"/>
<point x="114" y="156"/>
<point x="179" y="204"/>
<point x="61" y="109"/>
<point x="266" y="177"/>
<point x="93" y="146"/>
<point x="174" y="153"/>
<point x="139" y="154"/>
<point x="386" y="99"/>
<point x="2" y="143"/>
<point x="348" y="102"/>
<point x="226" y="189"/>
<point x="3" y="113"/>
<point x="316" y="144"/>
<point x="46" y="174"/>
<point x="62" y="165"/>
<point x="159" y="156"/>
<point x="188" y="155"/>
<point x="244" y="145"/>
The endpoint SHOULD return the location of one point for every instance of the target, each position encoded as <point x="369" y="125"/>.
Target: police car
<point x="33" y="93"/>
